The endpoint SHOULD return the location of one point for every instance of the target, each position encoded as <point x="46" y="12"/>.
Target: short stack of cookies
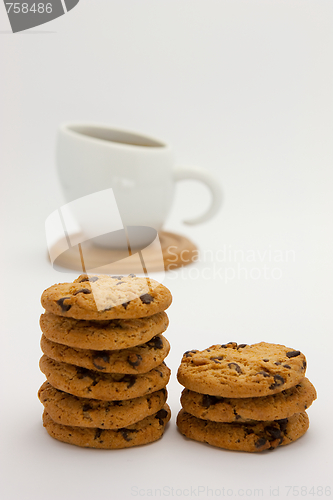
<point x="104" y="361"/>
<point x="244" y="397"/>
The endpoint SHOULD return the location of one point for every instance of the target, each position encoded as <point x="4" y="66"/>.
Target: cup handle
<point x="200" y="174"/>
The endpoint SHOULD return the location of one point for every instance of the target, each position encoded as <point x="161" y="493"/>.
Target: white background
<point x="243" y="88"/>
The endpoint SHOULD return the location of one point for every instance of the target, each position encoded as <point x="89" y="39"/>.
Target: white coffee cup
<point x="141" y="171"/>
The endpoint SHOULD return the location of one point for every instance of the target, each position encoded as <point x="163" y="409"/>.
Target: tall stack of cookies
<point x="244" y="397"/>
<point x="104" y="361"/>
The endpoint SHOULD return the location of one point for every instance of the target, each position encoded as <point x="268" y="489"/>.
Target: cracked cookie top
<point x="239" y="370"/>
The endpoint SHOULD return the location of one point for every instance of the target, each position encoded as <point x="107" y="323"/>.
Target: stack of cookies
<point x="104" y="361"/>
<point x="244" y="397"/>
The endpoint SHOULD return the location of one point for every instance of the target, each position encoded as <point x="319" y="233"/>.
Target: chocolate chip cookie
<point x="145" y="431"/>
<point x="139" y="359"/>
<point x="277" y="406"/>
<point x="242" y="371"/>
<point x="106" y="386"/>
<point x="100" y="335"/>
<point x="71" y="410"/>
<point x="107" y="297"/>
<point x="254" y="437"/>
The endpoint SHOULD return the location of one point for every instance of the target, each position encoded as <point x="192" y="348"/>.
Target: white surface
<point x="242" y="88"/>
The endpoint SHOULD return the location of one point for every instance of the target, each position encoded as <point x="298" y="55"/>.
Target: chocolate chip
<point x="100" y="356"/>
<point x="273" y="432"/>
<point x="287" y="366"/>
<point x="83" y="372"/>
<point x="83" y="290"/>
<point x="241" y="346"/>
<point x="125" y="304"/>
<point x="229" y="344"/>
<point x="134" y="360"/>
<point x="283" y="422"/>
<point x="117" y="277"/>
<point x="208" y="400"/>
<point x="132" y="275"/>
<point x="161" y="415"/>
<point x="293" y="354"/>
<point x="120" y="282"/>
<point x="98" y="433"/>
<point x="98" y="367"/>
<point x="86" y="407"/>
<point x="188" y="354"/>
<point x="155" y="343"/>
<point x="277" y="363"/>
<point x="278" y="380"/>
<point x="265" y="360"/>
<point x="92" y="279"/>
<point x="208" y="350"/>
<point x="129" y="379"/>
<point x="64" y="307"/>
<point x="261" y="442"/>
<point x="146" y="298"/>
<point x="304" y="365"/>
<point x="235" y="366"/>
<point x="125" y="433"/>
<point x="264" y="374"/>
<point x="217" y="359"/>
<point x="236" y="415"/>
<point x="116" y="403"/>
